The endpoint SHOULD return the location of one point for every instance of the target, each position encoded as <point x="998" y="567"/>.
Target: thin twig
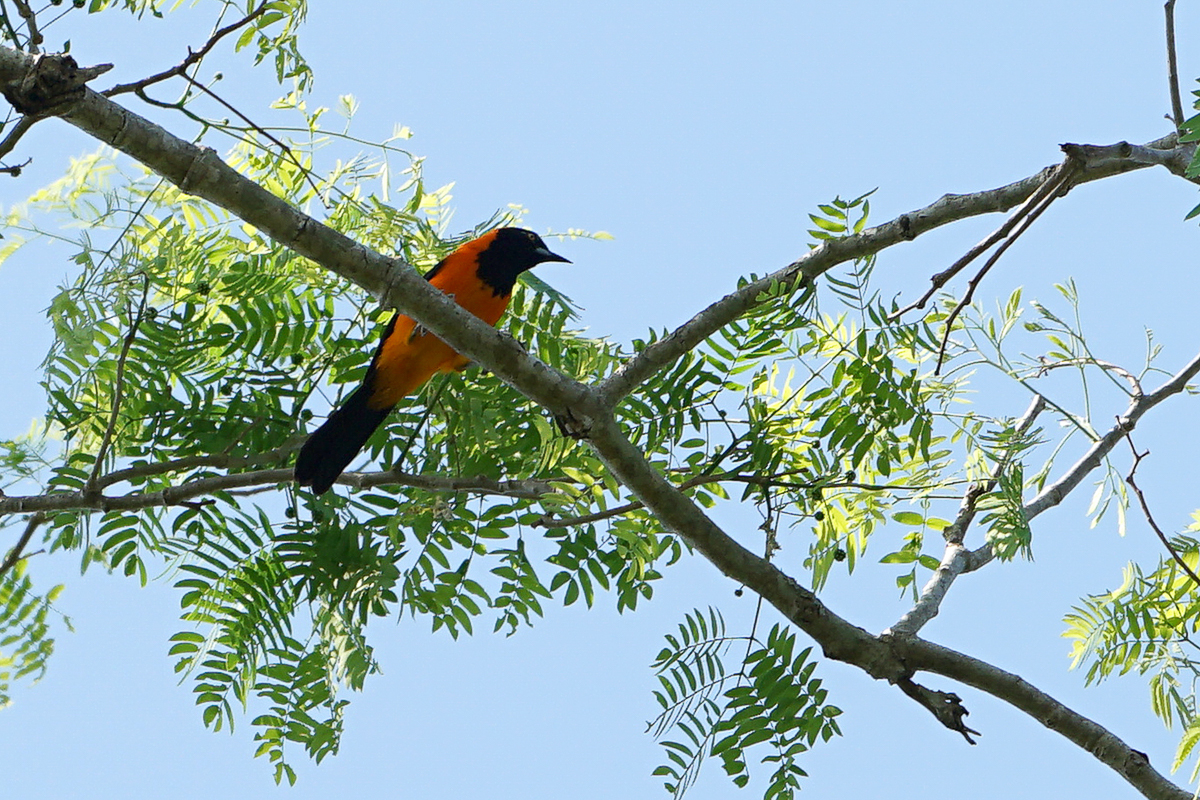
<point x="6" y="20"/>
<point x="277" y="142"/>
<point x="35" y="36"/>
<point x="181" y="68"/>
<point x="203" y="487"/>
<point x="15" y="170"/>
<point x="118" y="389"/>
<point x="216" y="460"/>
<point x="14" y="555"/>
<point x="437" y="395"/>
<point x="1062" y="180"/>
<point x="1137" y="459"/>
<point x="766" y="481"/>
<point x="1173" y="66"/>
<point x="19" y="129"/>
<point x="1053" y="181"/>
<point x="1134" y="383"/>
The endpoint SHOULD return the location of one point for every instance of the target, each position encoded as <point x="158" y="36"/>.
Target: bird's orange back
<point x="410" y="355"/>
<point x="480" y="276"/>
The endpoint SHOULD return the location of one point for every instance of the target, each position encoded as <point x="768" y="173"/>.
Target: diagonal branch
<point x="890" y="658"/>
<point x="35" y="36"/>
<point x="1097" y="162"/>
<point x="201" y="172"/>
<point x="1053" y="182"/>
<point x="1132" y="765"/>
<point x="1055" y="187"/>
<point x="17" y="551"/>
<point x="1053" y="494"/>
<point x="1162" y="537"/>
<point x="957" y="559"/>
<point x="954" y="559"/>
<point x="1173" y="67"/>
<point x="180" y="69"/>
<point x="118" y="389"/>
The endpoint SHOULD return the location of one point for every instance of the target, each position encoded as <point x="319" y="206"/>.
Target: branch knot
<point x="52" y="85"/>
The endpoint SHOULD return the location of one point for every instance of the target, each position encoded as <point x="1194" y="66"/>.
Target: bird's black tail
<point x="334" y="445"/>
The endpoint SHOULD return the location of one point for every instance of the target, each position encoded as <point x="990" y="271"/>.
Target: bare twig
<point x="1137" y="459"/>
<point x="766" y="481"/>
<point x="1173" y="66"/>
<point x="35" y="36"/>
<point x="1058" y="186"/>
<point x="6" y="21"/>
<point x="1134" y="382"/>
<point x="1051" y="184"/>
<point x="254" y="125"/>
<point x="15" y="169"/>
<point x="216" y="460"/>
<point x="118" y="389"/>
<point x="18" y="130"/>
<point x="15" y="554"/>
<point x="180" y="69"/>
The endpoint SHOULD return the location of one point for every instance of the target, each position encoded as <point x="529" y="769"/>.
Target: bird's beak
<point x="545" y="255"/>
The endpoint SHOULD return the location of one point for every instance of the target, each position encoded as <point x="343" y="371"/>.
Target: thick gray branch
<point x="1096" y="162"/>
<point x="894" y="659"/>
<point x="838" y="638"/>
<point x="1132" y="765"/>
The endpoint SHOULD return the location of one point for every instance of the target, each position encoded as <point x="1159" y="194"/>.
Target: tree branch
<point x="1056" y="186"/>
<point x="1173" y="67"/>
<point x="1097" y="162"/>
<point x="1162" y="537"/>
<point x="1053" y="494"/>
<point x="35" y="36"/>
<point x="1132" y="765"/>
<point x="884" y="657"/>
<point x="118" y="389"/>
<point x="1054" y="181"/>
<point x="180" y="69"/>
<point x="187" y="491"/>
<point x="200" y="172"/>
<point x="16" y="553"/>
<point x="955" y="558"/>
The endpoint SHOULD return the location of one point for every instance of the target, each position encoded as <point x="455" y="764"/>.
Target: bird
<point x="479" y="275"/>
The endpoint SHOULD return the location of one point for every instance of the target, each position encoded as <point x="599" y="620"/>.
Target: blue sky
<point x="700" y="135"/>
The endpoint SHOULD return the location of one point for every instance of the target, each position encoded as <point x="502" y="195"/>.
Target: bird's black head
<point x="510" y="252"/>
